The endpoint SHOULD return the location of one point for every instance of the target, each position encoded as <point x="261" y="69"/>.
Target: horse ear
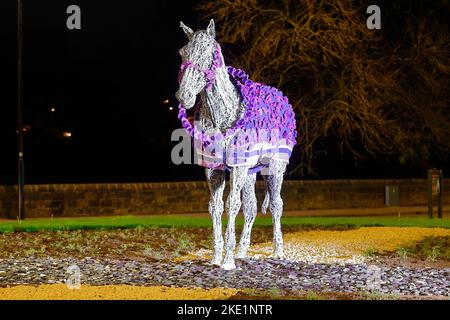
<point x="211" y="30"/>
<point x="186" y="30"/>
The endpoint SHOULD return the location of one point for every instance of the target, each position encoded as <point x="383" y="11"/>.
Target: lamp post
<point x="21" y="170"/>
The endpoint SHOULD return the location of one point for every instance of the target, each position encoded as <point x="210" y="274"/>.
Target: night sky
<point x="107" y="83"/>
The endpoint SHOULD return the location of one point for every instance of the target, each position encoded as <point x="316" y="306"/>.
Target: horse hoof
<point x="242" y="253"/>
<point x="241" y="256"/>
<point x="216" y="261"/>
<point x="228" y="266"/>
<point x="278" y="255"/>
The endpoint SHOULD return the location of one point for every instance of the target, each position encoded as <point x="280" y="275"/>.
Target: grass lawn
<point x="123" y="222"/>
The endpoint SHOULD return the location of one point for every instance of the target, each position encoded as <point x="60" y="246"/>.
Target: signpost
<point x="435" y="184"/>
<point x="20" y="131"/>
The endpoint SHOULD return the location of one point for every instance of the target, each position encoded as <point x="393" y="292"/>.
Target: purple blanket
<point x="266" y="131"/>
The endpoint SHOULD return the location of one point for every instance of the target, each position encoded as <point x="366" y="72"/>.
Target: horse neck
<point x="222" y="102"/>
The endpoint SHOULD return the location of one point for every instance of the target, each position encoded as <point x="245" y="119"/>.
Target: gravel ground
<point x="251" y="273"/>
<point x="316" y="260"/>
<point x="337" y="247"/>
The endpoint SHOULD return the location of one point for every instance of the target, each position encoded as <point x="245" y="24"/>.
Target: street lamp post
<point x="21" y="170"/>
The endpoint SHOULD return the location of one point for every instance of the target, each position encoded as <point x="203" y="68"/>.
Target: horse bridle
<point x="210" y="74"/>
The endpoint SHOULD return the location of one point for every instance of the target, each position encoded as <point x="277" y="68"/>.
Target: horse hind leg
<point x="274" y="180"/>
<point x="249" y="206"/>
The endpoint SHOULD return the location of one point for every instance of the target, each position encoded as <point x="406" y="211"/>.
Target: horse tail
<point x="265" y="203"/>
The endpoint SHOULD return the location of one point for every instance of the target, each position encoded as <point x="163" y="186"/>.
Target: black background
<point x="107" y="82"/>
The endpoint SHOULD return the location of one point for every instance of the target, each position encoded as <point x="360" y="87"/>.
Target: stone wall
<point x="192" y="197"/>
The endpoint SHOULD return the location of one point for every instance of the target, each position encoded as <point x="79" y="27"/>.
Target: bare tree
<point x="378" y="98"/>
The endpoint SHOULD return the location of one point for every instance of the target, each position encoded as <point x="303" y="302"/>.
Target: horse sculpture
<point x="241" y="126"/>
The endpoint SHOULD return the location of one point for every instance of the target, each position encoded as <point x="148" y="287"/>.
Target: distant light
<point x="171" y="108"/>
<point x="67" y="134"/>
<point x="52" y="109"/>
<point x="166" y="101"/>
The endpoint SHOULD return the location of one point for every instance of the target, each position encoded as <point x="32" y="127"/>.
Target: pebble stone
<point x="250" y="273"/>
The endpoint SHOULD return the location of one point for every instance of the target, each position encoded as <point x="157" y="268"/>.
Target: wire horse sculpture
<point x="240" y="126"/>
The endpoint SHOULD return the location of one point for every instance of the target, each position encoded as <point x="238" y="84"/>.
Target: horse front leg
<point x="249" y="206"/>
<point x="238" y="178"/>
<point x="216" y="183"/>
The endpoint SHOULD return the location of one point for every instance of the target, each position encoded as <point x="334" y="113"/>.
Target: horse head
<point x="200" y="57"/>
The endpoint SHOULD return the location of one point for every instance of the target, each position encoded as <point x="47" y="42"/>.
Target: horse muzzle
<point x="186" y="100"/>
